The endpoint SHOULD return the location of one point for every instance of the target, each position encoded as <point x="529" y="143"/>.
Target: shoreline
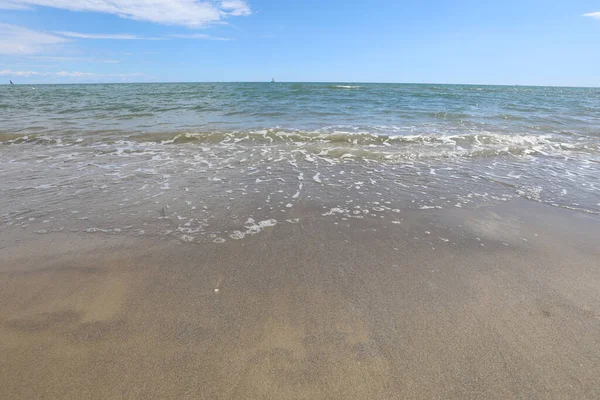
<point x="498" y="301"/>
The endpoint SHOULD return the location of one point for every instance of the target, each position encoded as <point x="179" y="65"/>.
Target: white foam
<point x="531" y="193"/>
<point x="316" y="178"/>
<point x="267" y="223"/>
<point x="252" y="228"/>
<point x="336" y="210"/>
<point x="237" y="235"/>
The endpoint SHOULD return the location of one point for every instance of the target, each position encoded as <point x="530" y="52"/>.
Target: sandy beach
<point x="497" y="302"/>
<point x="291" y="200"/>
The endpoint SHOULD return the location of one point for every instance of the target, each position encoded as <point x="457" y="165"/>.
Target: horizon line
<point x="301" y="82"/>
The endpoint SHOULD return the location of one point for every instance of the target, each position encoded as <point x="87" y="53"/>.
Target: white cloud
<point x="118" y="36"/>
<point x="201" y="36"/>
<point x="593" y="15"/>
<point x="16" y="40"/>
<point x="191" y="13"/>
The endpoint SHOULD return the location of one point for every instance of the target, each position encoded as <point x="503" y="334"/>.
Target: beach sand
<point x="496" y="302"/>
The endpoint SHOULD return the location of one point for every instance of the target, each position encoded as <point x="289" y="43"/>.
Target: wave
<point x="344" y="87"/>
<point x="275" y="135"/>
<point x="335" y="146"/>
<point x="18" y="138"/>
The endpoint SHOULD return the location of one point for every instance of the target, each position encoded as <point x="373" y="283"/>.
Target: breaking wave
<point x="344" y="144"/>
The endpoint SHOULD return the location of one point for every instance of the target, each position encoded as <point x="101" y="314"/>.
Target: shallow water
<point x="219" y="162"/>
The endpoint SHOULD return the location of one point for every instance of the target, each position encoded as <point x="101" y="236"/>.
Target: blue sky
<point x="551" y="42"/>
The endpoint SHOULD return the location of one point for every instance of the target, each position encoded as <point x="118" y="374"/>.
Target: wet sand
<point x="499" y="302"/>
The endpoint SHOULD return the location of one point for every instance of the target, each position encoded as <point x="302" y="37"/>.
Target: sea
<point x="215" y="162"/>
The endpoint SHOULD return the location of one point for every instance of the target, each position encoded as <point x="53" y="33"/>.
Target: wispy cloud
<point x="145" y="53"/>
<point x="16" y="40"/>
<point x="236" y="7"/>
<point x="200" y="36"/>
<point x="10" y="5"/>
<point x="593" y="15"/>
<point x="77" y="74"/>
<point x="127" y="36"/>
<point x="27" y="74"/>
<point x="110" y="36"/>
<point x="191" y="13"/>
<point x="69" y="74"/>
<point x="76" y="59"/>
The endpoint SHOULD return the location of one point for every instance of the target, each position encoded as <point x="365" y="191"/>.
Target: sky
<point x="525" y="42"/>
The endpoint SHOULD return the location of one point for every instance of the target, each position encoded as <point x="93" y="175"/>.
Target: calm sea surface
<point x="221" y="161"/>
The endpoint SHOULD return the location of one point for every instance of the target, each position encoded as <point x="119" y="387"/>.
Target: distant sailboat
<point x="273" y="80"/>
<point x="11" y="82"/>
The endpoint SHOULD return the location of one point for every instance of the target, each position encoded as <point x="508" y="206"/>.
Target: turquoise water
<point x="131" y="157"/>
<point x="119" y="110"/>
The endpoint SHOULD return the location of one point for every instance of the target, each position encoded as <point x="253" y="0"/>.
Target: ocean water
<point x="219" y="162"/>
